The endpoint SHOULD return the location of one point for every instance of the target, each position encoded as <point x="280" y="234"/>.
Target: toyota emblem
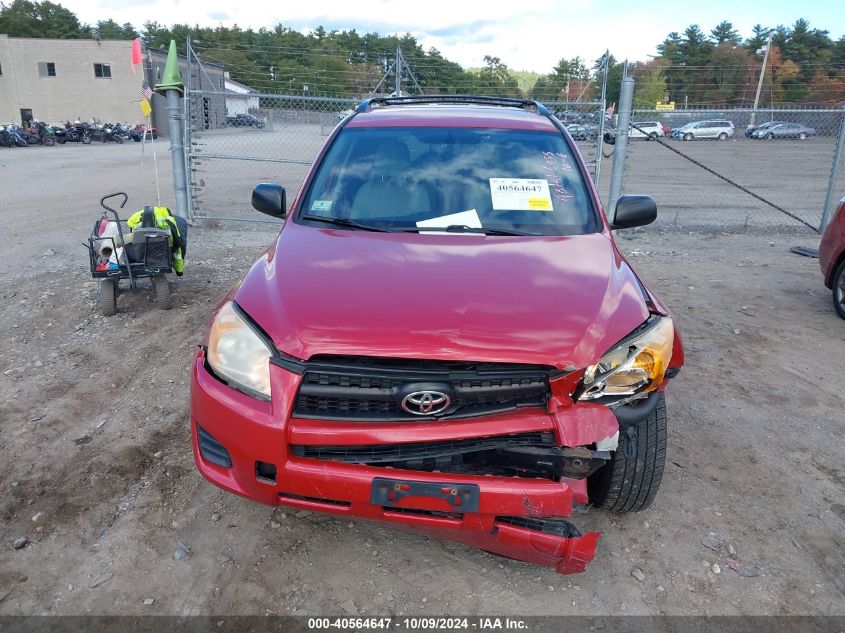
<point x="426" y="402"/>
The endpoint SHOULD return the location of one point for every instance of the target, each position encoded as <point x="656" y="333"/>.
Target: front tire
<point x="161" y="288"/>
<point x="839" y="289"/>
<point x="770" y="137"/>
<point x="688" y="137"/>
<point x="108" y="296"/>
<point x="723" y="136"/>
<point x="87" y="138"/>
<point x="802" y="136"/>
<point x="630" y="484"/>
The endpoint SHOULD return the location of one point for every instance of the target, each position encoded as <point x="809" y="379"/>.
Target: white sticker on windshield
<point x="321" y="205"/>
<point x="520" y="194"/>
<point x="468" y="219"/>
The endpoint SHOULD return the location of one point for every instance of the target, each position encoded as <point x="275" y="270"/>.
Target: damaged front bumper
<point x="505" y="483"/>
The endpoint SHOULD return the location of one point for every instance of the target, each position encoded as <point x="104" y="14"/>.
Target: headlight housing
<point x="238" y="353"/>
<point x="635" y="366"/>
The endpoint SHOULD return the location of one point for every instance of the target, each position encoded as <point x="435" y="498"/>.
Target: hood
<point x="559" y="301"/>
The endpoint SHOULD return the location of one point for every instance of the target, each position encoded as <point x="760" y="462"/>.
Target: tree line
<point x="715" y="69"/>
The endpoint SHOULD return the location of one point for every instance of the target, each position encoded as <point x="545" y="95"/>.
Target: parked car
<point x="832" y="257"/>
<point x="784" y="130"/>
<point x="718" y="129"/>
<point x="244" y="120"/>
<point x="646" y="129"/>
<point x="444" y="335"/>
<point x="749" y="132"/>
<point x="578" y="132"/>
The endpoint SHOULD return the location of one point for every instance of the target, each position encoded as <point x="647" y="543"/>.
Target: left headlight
<point x="636" y="365"/>
<point x="238" y="354"/>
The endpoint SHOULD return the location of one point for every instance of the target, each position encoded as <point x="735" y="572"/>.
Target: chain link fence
<point x="727" y="169"/>
<point x="238" y="140"/>
<point x="732" y="169"/>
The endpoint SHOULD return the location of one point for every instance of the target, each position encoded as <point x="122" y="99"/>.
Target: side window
<point x="102" y="71"/>
<point x="46" y="69"/>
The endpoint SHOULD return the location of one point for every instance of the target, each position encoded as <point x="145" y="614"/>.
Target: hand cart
<point x="148" y="254"/>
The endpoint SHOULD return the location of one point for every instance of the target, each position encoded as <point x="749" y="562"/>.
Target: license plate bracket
<point x="389" y="492"/>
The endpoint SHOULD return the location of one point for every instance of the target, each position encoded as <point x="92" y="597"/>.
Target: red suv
<point x="443" y="336"/>
<point x="832" y="257"/>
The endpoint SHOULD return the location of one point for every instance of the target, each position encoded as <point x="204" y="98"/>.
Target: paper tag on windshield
<point x="469" y="219"/>
<point x="321" y="205"/>
<point x="520" y="194"/>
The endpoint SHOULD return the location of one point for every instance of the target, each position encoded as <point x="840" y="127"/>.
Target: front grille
<point x="366" y="389"/>
<point x="379" y="453"/>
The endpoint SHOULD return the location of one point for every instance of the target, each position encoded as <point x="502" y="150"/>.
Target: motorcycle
<point x="123" y="131"/>
<point x="39" y="134"/>
<point x="77" y="133"/>
<point x="109" y="132"/>
<point x="13" y="135"/>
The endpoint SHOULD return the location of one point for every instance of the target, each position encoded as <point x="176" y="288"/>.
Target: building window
<point x="158" y="73"/>
<point x="46" y="69"/>
<point x="1" y="70"/>
<point x="222" y="83"/>
<point x="103" y="71"/>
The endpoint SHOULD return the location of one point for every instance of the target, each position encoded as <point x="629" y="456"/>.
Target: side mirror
<point x="270" y="198"/>
<point x="634" y="211"/>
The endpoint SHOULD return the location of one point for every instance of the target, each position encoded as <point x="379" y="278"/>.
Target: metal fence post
<point x="172" y="87"/>
<point x="617" y="174"/>
<point x="834" y="175"/>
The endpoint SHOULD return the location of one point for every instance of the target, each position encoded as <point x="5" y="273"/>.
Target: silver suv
<point x="717" y="129"/>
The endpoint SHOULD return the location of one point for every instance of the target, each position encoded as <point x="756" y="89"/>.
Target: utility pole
<point x="399" y="62"/>
<point x="760" y="82"/>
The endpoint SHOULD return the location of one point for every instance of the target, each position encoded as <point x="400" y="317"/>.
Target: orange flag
<point x="136" y="53"/>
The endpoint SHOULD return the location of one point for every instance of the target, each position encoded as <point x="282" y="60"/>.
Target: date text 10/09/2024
<point x="418" y="624"/>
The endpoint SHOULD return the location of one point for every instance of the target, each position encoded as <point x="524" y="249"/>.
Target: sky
<point x="529" y="35"/>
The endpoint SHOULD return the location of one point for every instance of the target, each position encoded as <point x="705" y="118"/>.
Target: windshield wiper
<point x="345" y="222"/>
<point x="462" y="228"/>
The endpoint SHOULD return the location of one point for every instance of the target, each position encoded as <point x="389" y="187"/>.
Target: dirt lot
<point x="97" y="472"/>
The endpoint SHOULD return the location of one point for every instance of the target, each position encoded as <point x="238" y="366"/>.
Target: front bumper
<point x="244" y="446"/>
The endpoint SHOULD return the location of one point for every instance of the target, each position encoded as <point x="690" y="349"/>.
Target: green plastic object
<point x="170" y="78"/>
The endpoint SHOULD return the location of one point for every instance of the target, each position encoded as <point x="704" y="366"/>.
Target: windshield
<point x="425" y="178"/>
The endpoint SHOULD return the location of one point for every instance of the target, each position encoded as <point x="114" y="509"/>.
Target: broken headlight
<point x="238" y="353"/>
<point x="635" y="366"/>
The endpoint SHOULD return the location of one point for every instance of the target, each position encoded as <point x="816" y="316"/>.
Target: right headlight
<point x="238" y="354"/>
<point x="635" y="366"/>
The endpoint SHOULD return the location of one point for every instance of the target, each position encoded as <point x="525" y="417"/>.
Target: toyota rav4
<point x="444" y="336"/>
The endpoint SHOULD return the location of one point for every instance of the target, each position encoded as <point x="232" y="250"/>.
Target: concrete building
<point x="64" y="80"/>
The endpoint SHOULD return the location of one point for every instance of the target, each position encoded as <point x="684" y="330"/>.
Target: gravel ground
<point x="103" y="512"/>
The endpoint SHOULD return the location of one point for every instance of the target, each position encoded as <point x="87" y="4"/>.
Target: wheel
<point x="62" y="140"/>
<point x="839" y="289"/>
<point x="108" y="296"/>
<point x="49" y="141"/>
<point x="769" y="136"/>
<point x="86" y="138"/>
<point x="802" y="136"/>
<point x="161" y="287"/>
<point x="688" y="136"/>
<point x="629" y="484"/>
<point x="652" y="136"/>
<point x="723" y="136"/>
<point x="118" y="139"/>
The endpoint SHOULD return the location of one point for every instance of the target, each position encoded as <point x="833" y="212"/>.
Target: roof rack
<point x="505" y="102"/>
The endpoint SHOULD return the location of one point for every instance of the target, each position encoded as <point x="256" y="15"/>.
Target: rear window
<point x="396" y="177"/>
